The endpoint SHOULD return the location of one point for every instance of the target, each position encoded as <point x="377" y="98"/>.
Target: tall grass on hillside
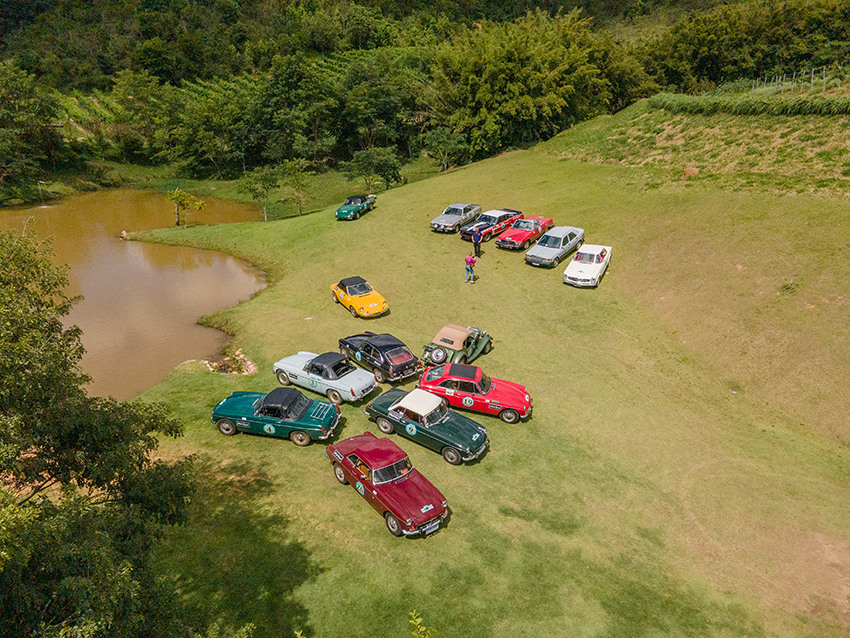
<point x="751" y="104"/>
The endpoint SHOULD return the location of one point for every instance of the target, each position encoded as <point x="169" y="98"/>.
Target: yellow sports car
<point x="357" y="295"/>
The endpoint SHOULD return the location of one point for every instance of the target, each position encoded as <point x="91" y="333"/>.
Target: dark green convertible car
<point x="355" y="206"/>
<point x="425" y="419"/>
<point x="283" y="412"/>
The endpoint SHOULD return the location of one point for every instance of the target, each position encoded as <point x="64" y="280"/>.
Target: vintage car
<point x="523" y="232"/>
<point x="359" y="297"/>
<point x="331" y="374"/>
<point x="588" y="266"/>
<point x="556" y="244"/>
<point x="465" y="386"/>
<point x="455" y="344"/>
<point x="425" y="419"/>
<point x="455" y="216"/>
<point x="382" y="474"/>
<point x="387" y="357"/>
<point x="491" y="223"/>
<point x="355" y="206"/>
<point x="283" y="412"/>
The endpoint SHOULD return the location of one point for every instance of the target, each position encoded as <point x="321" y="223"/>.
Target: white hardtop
<point x="593" y="249"/>
<point x="419" y="401"/>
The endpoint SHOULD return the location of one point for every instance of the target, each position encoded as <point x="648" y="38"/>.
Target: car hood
<point x="348" y="210"/>
<point x="447" y="220"/>
<point x="476" y="224"/>
<point x="365" y="301"/>
<point x="238" y="404"/>
<point x="460" y="431"/>
<point x="517" y="235"/>
<point x="543" y="252"/>
<point x="508" y="393"/>
<point x="582" y="270"/>
<point x="408" y="496"/>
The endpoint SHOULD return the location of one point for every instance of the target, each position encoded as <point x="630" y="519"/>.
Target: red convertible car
<point x="524" y="232"/>
<point x="382" y="474"/>
<point x="465" y="386"/>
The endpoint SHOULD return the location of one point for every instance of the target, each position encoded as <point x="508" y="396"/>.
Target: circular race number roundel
<point x="410" y="428"/>
<point x="359" y="487"/>
<point x="358" y="356"/>
<point x="313" y="383"/>
<point x="467" y="401"/>
<point x="268" y="428"/>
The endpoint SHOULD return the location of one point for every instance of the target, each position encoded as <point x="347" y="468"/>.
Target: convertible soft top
<point x="419" y="401"/>
<point x="281" y="398"/>
<point x="351" y="281"/>
<point x="452" y="336"/>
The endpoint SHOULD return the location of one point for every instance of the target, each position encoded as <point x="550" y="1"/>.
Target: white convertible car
<point x="331" y="374"/>
<point x="588" y="266"/>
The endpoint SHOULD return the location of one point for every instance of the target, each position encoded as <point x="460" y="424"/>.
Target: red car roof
<point x="375" y="452"/>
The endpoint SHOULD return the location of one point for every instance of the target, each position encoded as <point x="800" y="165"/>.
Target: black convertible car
<point x="383" y="354"/>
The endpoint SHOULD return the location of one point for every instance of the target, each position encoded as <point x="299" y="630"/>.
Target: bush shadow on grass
<point x="231" y="562"/>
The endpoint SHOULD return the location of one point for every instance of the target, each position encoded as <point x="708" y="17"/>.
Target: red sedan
<point x="465" y="386"/>
<point x="524" y="232"/>
<point x="382" y="474"/>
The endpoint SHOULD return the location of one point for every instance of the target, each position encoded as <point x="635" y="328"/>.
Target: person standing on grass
<point x="470" y="273"/>
<point x="476" y="240"/>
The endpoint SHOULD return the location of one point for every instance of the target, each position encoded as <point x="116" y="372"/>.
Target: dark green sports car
<point x="355" y="206"/>
<point x="425" y="419"/>
<point x="283" y="412"/>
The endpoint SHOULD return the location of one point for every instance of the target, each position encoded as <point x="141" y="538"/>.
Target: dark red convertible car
<point x="465" y="386"/>
<point x="382" y="474"/>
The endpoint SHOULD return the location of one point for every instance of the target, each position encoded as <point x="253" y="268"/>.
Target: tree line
<point x="221" y="88"/>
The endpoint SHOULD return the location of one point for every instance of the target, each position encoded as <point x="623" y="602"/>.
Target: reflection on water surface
<point x="141" y="301"/>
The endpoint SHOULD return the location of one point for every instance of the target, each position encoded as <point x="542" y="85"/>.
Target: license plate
<point x="431" y="527"/>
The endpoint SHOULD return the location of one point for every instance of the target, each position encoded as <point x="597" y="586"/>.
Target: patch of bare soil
<point x="237" y="363"/>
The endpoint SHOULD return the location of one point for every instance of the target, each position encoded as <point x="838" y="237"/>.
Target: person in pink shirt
<point x="470" y="274"/>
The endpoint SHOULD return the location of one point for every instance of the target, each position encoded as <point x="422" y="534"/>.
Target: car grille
<point x="507" y="243"/>
<point x="577" y="280"/>
<point x="430" y="527"/>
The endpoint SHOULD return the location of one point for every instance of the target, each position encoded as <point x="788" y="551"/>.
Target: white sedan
<point x="331" y="374"/>
<point x="588" y="266"/>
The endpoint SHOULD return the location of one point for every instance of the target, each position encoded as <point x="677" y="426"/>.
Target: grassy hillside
<point x="771" y="153"/>
<point x="685" y="471"/>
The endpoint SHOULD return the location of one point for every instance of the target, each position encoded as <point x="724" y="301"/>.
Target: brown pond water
<point x="140" y="301"/>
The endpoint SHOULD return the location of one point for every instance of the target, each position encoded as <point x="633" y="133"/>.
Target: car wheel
<point x="340" y="474"/>
<point x="283" y="377"/>
<point x="555" y="262"/>
<point x="452" y="456"/>
<point x="353" y="312"/>
<point x="392" y="524"/>
<point x="226" y="427"/>
<point x="509" y="415"/>
<point x="488" y="347"/>
<point x="335" y="396"/>
<point x="525" y="245"/>
<point x="488" y="237"/>
<point x="334" y="297"/>
<point x="384" y="425"/>
<point x="300" y="438"/>
<point x="380" y="376"/>
<point x="438" y="355"/>
<point x="357" y="215"/>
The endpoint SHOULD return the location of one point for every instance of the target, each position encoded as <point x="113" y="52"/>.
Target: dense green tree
<point x="259" y="183"/>
<point x="29" y="142"/>
<point x="444" y="145"/>
<point x="375" y="163"/>
<point x="81" y="499"/>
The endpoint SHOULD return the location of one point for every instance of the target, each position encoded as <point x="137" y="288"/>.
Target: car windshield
<point x="341" y="368"/>
<point x="523" y="224"/>
<point x="392" y="472"/>
<point x="399" y="355"/>
<point x="487" y="219"/>
<point x="549" y="241"/>
<point x="359" y="289"/>
<point x="585" y="258"/>
<point x="353" y="201"/>
<point x="451" y="210"/>
<point x="438" y="414"/>
<point x="435" y="373"/>
<point x="485" y="384"/>
<point x="298" y="408"/>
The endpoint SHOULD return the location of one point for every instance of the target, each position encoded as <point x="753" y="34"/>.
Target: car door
<point x="362" y="482"/>
<point x="467" y="396"/>
<point x="372" y="356"/>
<point x="270" y="423"/>
<point x="311" y="377"/>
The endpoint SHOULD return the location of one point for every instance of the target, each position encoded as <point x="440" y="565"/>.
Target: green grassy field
<point x="685" y="472"/>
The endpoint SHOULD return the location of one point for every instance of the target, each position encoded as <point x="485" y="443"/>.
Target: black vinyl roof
<point x="384" y="341"/>
<point x="350" y="281"/>
<point x="328" y="360"/>
<point x="281" y="397"/>
<point x="463" y="371"/>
